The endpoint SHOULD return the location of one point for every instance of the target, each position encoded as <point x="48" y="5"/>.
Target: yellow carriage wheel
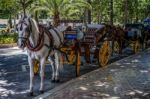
<point x="137" y="46"/>
<point x="104" y="53"/>
<point x="36" y="67"/>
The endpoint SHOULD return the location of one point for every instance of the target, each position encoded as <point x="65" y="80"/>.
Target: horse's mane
<point x="34" y="24"/>
<point x="100" y="31"/>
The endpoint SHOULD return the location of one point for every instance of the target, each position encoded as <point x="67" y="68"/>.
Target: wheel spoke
<point x="104" y="53"/>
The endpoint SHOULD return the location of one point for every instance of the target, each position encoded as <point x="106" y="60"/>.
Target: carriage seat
<point x="70" y="35"/>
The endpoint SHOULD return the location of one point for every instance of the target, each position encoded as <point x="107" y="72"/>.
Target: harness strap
<point x="40" y="43"/>
<point x="58" y="36"/>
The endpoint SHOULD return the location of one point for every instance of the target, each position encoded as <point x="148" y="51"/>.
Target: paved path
<point x="14" y="75"/>
<point x="125" y="79"/>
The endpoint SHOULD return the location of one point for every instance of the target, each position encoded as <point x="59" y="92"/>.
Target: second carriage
<point x="95" y="44"/>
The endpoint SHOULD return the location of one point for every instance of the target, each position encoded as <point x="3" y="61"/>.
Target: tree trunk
<point x="125" y="11"/>
<point x="23" y="7"/>
<point x="89" y="14"/>
<point x="24" y="11"/>
<point x="10" y="21"/>
<point x="84" y="17"/>
<point x="56" y="19"/>
<point x="111" y="12"/>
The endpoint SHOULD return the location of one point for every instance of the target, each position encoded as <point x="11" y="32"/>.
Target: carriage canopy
<point x="147" y="20"/>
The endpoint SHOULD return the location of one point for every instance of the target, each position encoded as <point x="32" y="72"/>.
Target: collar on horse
<point x="40" y="43"/>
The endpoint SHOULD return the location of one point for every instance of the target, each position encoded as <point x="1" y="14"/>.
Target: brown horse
<point x="116" y="34"/>
<point x="118" y="37"/>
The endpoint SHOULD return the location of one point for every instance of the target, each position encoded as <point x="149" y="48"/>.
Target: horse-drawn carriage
<point x="44" y="44"/>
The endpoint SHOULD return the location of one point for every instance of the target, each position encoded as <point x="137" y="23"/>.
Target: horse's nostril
<point x="22" y="44"/>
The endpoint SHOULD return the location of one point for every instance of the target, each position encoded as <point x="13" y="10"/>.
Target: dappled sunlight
<point x="5" y="83"/>
<point x="118" y="64"/>
<point x="138" y="91"/>
<point x="122" y="66"/>
<point x="104" y="95"/>
<point x="3" y="70"/>
<point x="134" y="66"/>
<point x="82" y="78"/>
<point x="144" y="71"/>
<point x="83" y="88"/>
<point x="127" y="63"/>
<point x="145" y="94"/>
<point x="9" y="89"/>
<point x="135" y="61"/>
<point x="99" y="83"/>
<point x="113" y="70"/>
<point x="1" y="64"/>
<point x="131" y="93"/>
<point x="113" y="97"/>
<point x="116" y="88"/>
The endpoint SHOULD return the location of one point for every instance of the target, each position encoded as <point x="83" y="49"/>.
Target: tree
<point x="57" y="8"/>
<point x="8" y="9"/>
<point x="25" y="4"/>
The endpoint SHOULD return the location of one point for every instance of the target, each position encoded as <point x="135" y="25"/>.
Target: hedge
<point x="8" y="39"/>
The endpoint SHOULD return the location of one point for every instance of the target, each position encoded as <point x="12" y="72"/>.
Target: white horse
<point x="40" y="45"/>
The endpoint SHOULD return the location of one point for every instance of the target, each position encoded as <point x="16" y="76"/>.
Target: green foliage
<point x="8" y="39"/>
<point x="136" y="10"/>
<point x="7" y="8"/>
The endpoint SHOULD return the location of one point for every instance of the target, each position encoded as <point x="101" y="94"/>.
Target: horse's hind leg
<point x="53" y="69"/>
<point x="30" y="61"/>
<point x="56" y="55"/>
<point x="42" y="64"/>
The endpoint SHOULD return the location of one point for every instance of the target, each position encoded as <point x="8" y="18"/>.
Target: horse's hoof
<point x="31" y="93"/>
<point x="57" y="81"/>
<point x="41" y="91"/>
<point x="53" y="81"/>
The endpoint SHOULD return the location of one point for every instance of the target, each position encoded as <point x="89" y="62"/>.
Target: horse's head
<point x="23" y="29"/>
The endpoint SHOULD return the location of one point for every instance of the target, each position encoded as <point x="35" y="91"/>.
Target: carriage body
<point x="134" y="36"/>
<point x="96" y="43"/>
<point x="134" y="31"/>
<point x="88" y="47"/>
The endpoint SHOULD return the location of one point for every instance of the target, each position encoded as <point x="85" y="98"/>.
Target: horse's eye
<point x="16" y="27"/>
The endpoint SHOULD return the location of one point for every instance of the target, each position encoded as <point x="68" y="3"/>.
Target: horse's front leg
<point x="42" y="68"/>
<point x="30" y="61"/>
